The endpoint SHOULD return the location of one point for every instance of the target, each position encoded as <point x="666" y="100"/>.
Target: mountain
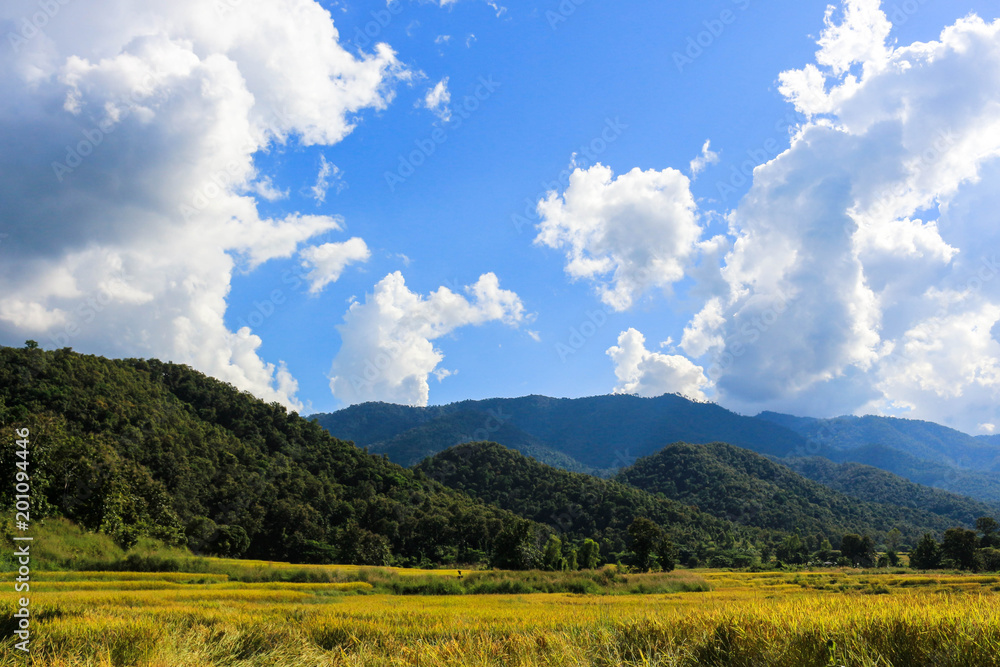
<point x="596" y="434"/>
<point x="577" y="505"/>
<point x="139" y="448"/>
<point x="872" y="484"/>
<point x="750" y="489"/>
<point x="922" y="452"/>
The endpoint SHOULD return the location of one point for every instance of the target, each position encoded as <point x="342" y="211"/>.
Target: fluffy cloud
<point x="128" y="174"/>
<point x="388" y="351"/>
<point x="847" y="287"/>
<point x="326" y="262"/>
<point x="646" y="373"/>
<point x="627" y="234"/>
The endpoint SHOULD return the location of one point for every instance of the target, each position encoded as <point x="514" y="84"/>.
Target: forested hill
<point x="136" y="447"/>
<point x="922" y="452"/>
<point x="873" y="484"/>
<point x="576" y="505"/>
<point x="596" y="433"/>
<point x="750" y="489"/>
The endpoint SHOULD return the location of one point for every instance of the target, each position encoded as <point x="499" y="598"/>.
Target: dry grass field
<point x="344" y="618"/>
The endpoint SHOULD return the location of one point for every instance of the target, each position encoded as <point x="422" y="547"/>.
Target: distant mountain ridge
<point x="602" y="434"/>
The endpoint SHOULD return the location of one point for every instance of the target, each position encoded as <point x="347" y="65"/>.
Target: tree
<point x="645" y="536"/>
<point x="893" y="540"/>
<point x="791" y="550"/>
<point x="989" y="527"/>
<point x="552" y="553"/>
<point x="926" y="555"/>
<point x="590" y="554"/>
<point x="514" y="548"/>
<point x="31" y="344"/>
<point x="959" y="546"/>
<point x="859" y="550"/>
<point x="666" y="553"/>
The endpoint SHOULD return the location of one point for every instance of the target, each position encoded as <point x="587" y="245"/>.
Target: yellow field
<point x="797" y="620"/>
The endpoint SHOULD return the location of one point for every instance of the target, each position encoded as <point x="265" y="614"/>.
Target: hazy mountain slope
<point x="602" y="432"/>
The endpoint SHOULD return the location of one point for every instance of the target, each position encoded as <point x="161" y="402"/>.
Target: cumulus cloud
<point x="388" y="352"/>
<point x="855" y="281"/>
<point x="438" y="100"/>
<point x="326" y="262"/>
<point x="646" y="373"/>
<point x="128" y="176"/>
<point x="627" y="234"/>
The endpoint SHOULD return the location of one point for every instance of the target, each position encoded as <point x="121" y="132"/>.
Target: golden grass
<point x="833" y="617"/>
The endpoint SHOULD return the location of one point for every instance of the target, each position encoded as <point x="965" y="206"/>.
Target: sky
<point x="780" y="206"/>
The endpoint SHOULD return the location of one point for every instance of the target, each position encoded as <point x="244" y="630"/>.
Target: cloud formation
<point x="626" y="234"/>
<point x="129" y="178"/>
<point x="640" y="371"/>
<point x="856" y="282"/>
<point x="388" y="352"/>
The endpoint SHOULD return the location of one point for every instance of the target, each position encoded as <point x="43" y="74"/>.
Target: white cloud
<point x="388" y="352"/>
<point x="640" y="371"/>
<point x="627" y="234"/>
<point x="707" y="157"/>
<point x="266" y="189"/>
<point x="442" y="39"/>
<point x="856" y="280"/>
<point x="163" y="106"/>
<point x="438" y="100"/>
<point x="329" y="176"/>
<point x="326" y="262"/>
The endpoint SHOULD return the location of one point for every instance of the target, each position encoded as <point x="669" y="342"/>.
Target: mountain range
<point x="140" y="449"/>
<point x="602" y="434"/>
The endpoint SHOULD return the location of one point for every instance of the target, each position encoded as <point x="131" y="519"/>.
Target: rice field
<point x="794" y="619"/>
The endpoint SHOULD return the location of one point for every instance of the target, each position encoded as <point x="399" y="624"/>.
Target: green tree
<point x="959" y="546"/>
<point x="859" y="550"/>
<point x="666" y="554"/>
<point x="989" y="527"/>
<point x="893" y="540"/>
<point x="926" y="555"/>
<point x="791" y="550"/>
<point x="31" y="344"/>
<point x="552" y="553"/>
<point x="645" y="536"/>
<point x="590" y="554"/>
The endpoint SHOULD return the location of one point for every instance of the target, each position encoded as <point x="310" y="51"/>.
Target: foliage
<point x="575" y="505"/>
<point x="750" y="489"/>
<point x="144" y="449"/>
<point x="926" y="555"/>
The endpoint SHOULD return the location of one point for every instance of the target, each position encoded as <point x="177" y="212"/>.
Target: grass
<point x="834" y="617"/>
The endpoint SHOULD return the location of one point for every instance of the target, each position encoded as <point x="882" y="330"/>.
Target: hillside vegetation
<point x="141" y="448"/>
<point x="750" y="489"/>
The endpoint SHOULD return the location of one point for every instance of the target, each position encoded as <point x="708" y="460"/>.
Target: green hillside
<point x="138" y="448"/>
<point x="576" y="505"/>
<point x="750" y="489"/>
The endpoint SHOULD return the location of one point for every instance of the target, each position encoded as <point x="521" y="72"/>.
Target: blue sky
<point x="765" y="290"/>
